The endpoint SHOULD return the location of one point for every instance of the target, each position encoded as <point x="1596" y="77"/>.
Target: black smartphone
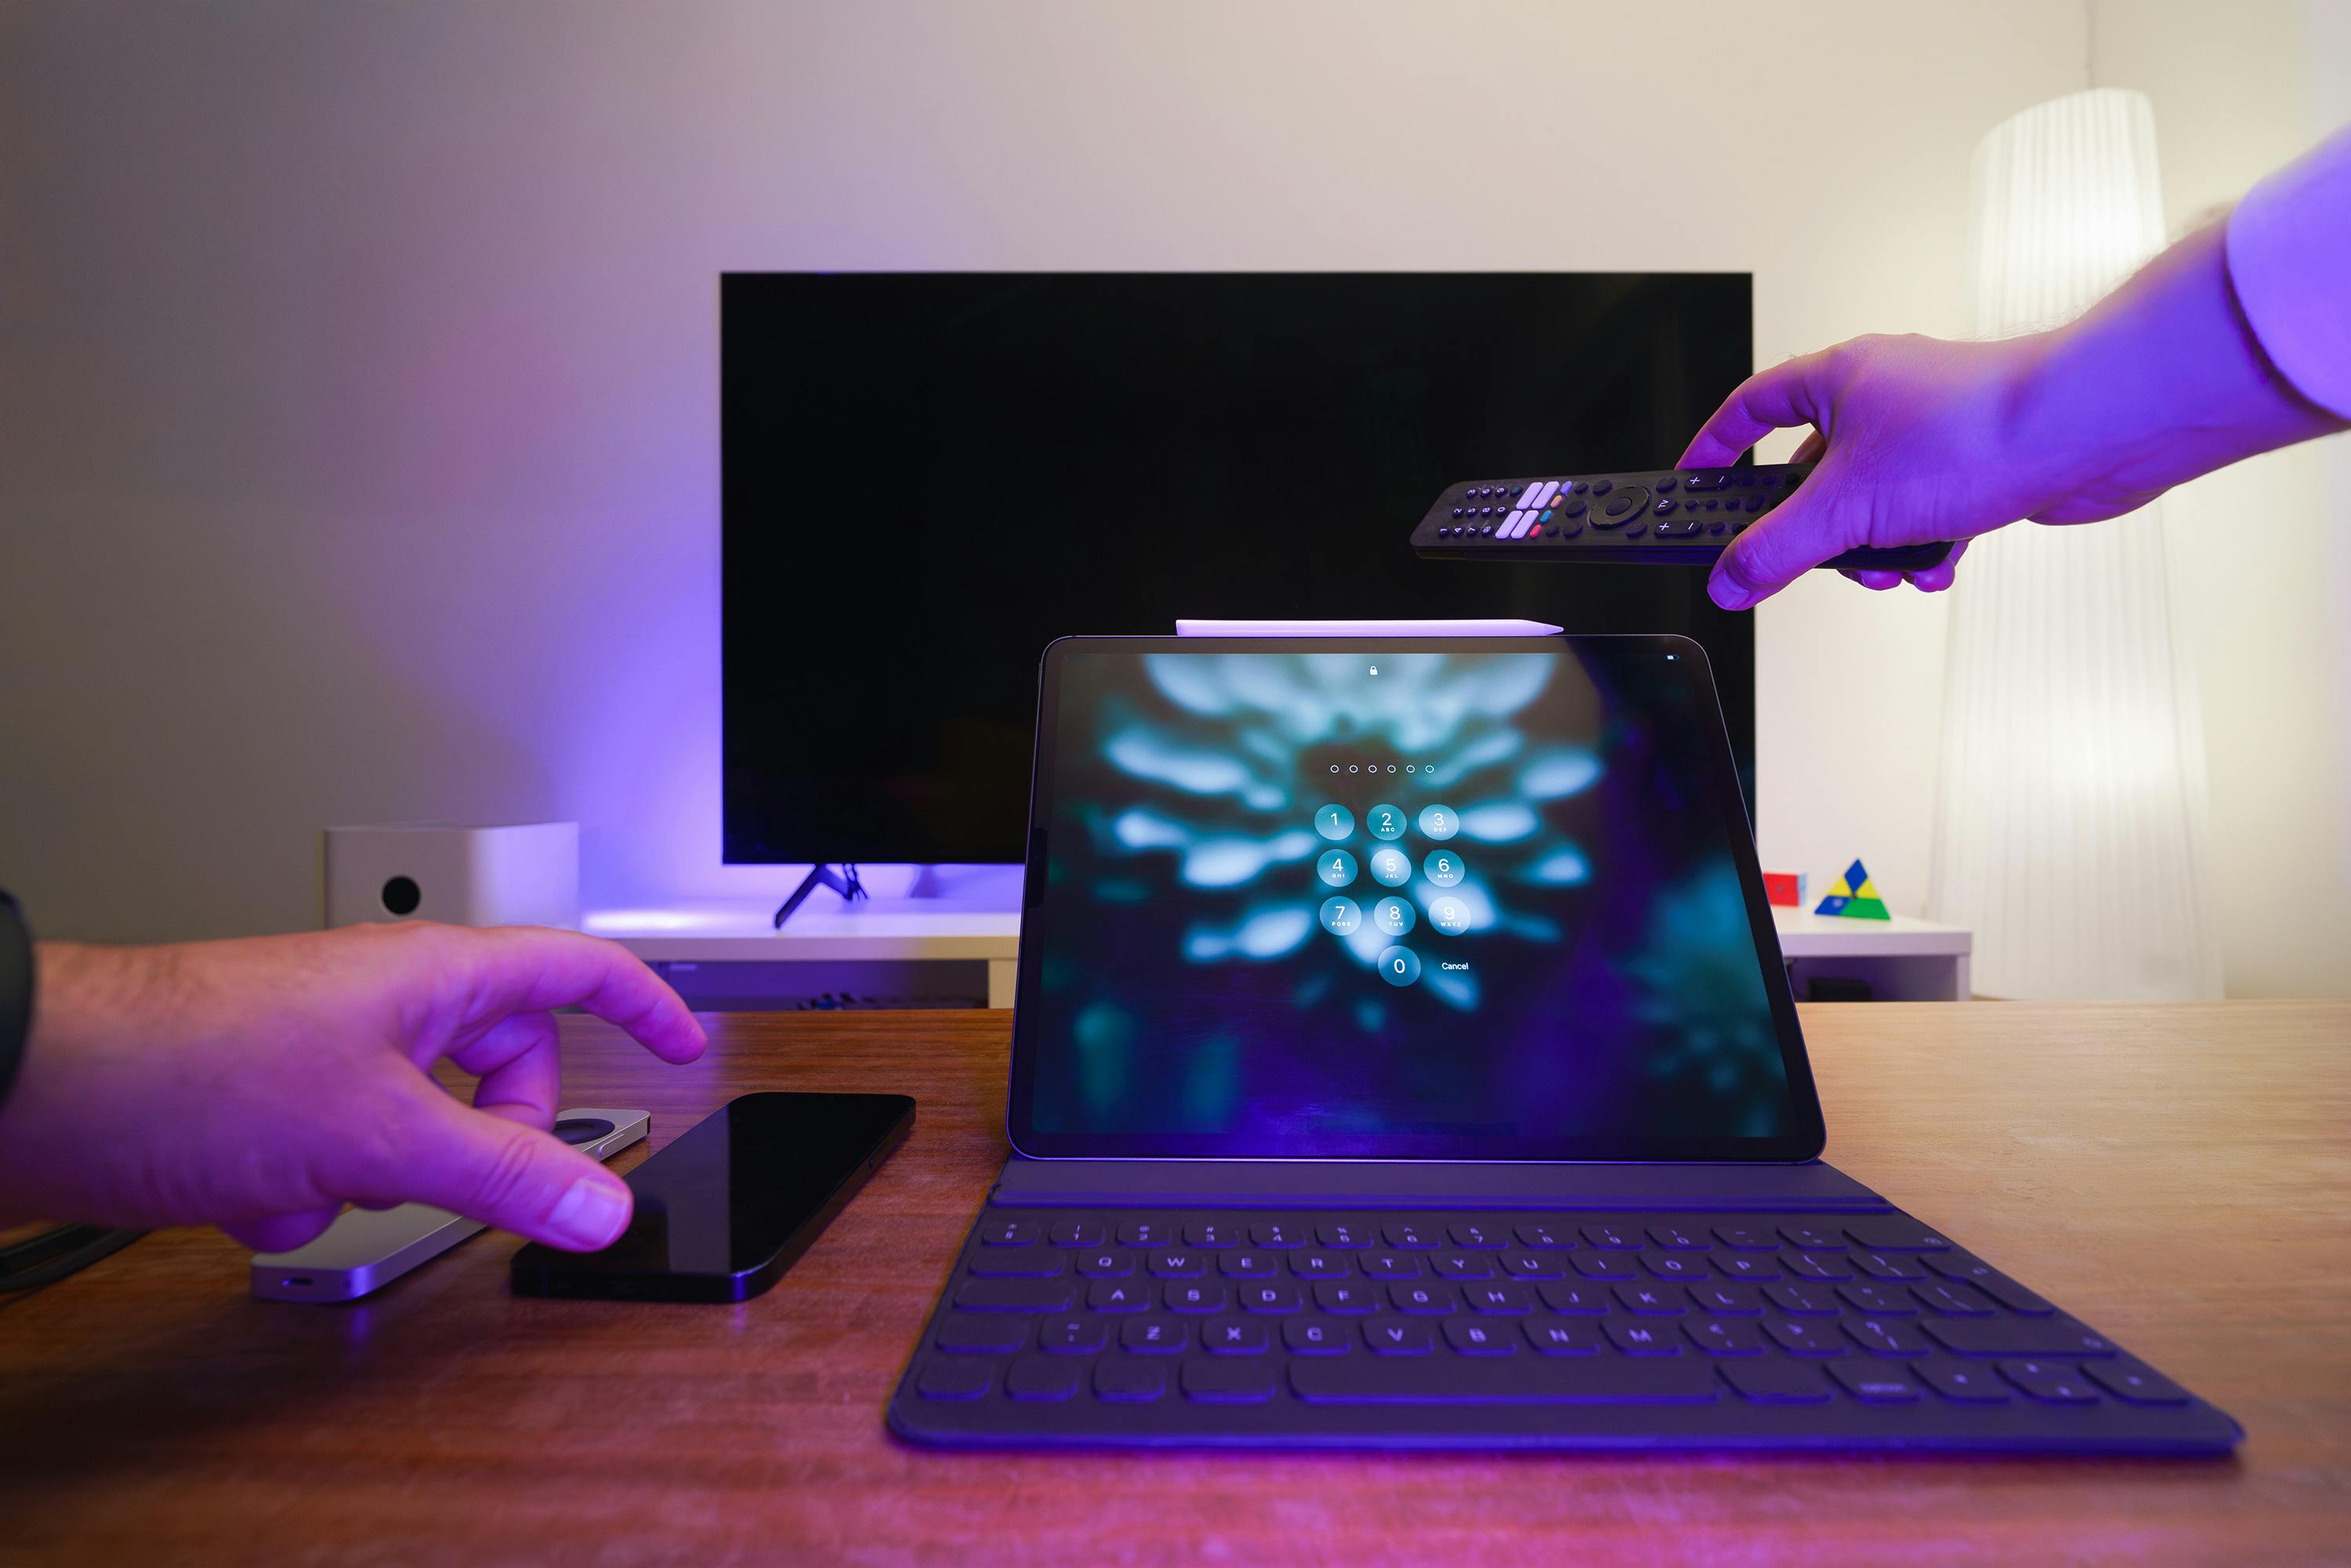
<point x="724" y="1209"/>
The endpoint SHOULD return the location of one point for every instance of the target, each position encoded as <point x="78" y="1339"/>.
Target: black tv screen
<point x="929" y="477"/>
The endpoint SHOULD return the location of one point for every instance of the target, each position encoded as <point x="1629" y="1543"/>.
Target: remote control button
<point x="1665" y="483"/>
<point x="1458" y="510"/>
<point x="1665" y="505"/>
<point x="1742" y="477"/>
<point x="1573" y="509"/>
<point x="1544" y="497"/>
<point x="1636" y="528"/>
<point x="1624" y="505"/>
<point x="1754" y="503"/>
<point x="1569" y="529"/>
<point x="1488" y="531"/>
<point x="1600" y="487"/>
<point x="1579" y="488"/>
<point x="1769" y="481"/>
<point x="1714" y="528"/>
<point x="1544" y="518"/>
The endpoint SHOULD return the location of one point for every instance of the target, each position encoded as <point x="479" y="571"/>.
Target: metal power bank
<point x="366" y="1249"/>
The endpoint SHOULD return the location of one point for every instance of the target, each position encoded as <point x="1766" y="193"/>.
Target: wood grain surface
<point x="2180" y="1175"/>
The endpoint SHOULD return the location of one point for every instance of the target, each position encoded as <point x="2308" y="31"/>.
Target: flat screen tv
<point x="929" y="477"/>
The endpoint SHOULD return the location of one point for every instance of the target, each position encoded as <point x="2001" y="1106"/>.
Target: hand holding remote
<point x="1915" y="439"/>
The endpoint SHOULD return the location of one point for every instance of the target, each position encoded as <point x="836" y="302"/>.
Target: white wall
<point x="358" y="391"/>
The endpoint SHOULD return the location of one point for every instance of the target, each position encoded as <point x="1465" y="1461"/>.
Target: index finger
<point x="1786" y="394"/>
<point x="511" y="969"/>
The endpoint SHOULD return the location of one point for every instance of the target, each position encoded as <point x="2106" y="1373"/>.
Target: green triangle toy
<point x="1854" y="896"/>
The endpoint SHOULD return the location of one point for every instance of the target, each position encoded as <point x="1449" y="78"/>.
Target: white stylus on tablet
<point x="367" y="1249"/>
<point x="1365" y="629"/>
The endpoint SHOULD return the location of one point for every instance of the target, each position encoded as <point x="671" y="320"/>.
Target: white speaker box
<point x="523" y="875"/>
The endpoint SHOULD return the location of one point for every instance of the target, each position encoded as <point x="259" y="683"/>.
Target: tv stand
<point x="844" y="882"/>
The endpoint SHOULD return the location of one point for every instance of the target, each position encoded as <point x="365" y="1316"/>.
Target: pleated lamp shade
<point x="2071" y="831"/>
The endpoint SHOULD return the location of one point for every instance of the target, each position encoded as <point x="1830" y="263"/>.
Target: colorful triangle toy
<point x="1854" y="894"/>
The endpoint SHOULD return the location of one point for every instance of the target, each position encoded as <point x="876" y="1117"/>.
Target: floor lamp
<point x="2071" y="831"/>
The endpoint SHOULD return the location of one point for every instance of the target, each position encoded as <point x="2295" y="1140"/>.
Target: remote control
<point x="1679" y="517"/>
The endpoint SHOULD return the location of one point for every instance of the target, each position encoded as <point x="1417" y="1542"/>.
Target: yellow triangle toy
<point x="1854" y="894"/>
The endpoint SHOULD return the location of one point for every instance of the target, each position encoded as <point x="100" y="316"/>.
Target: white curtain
<point x="2071" y="831"/>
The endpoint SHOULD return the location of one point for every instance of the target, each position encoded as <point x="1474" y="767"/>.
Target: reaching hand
<point x="1917" y="439"/>
<point x="261" y="1084"/>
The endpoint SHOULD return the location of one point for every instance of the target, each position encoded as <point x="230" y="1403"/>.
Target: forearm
<point x="2163" y="381"/>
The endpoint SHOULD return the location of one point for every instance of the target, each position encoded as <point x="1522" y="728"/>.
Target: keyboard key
<point x="1532" y="1234"/>
<point x="1561" y="1339"/>
<point x="1651" y="1301"/>
<point x="1475" y="1380"/>
<point x="1877" y="1299"/>
<point x="1018" y="1263"/>
<point x="1773" y="1380"/>
<point x="1895" y="1233"/>
<point x="1582" y="1300"/>
<point x="1396" y="1337"/>
<point x="1073" y="1336"/>
<point x="2051" y="1383"/>
<point x="1481" y="1236"/>
<point x="1882" y="1338"/>
<point x="1106" y="1265"/>
<point x="1422" y="1301"/>
<point x="1874" y="1385"/>
<point x="1674" y="1265"/>
<point x="1724" y="1336"/>
<point x="1463" y="1265"/>
<point x="1815" y="1266"/>
<point x="1604" y="1265"/>
<point x="1145" y="1233"/>
<point x="1952" y="1300"/>
<point x="1247" y="1266"/>
<point x="1320" y="1265"/>
<point x="1155" y="1336"/>
<point x="1235" y="1336"/>
<point x="1803" y="1301"/>
<point x="2135" y="1382"/>
<point x="1736" y="1301"/>
<point x="1009" y="1233"/>
<point x="1222" y="1382"/>
<point x="1961" y="1384"/>
<point x="1334" y="1297"/>
<point x="1117" y="1296"/>
<point x="1990" y="1281"/>
<point x="1389" y="1265"/>
<point x="1608" y="1235"/>
<point x="1281" y="1296"/>
<point x="1041" y="1378"/>
<point x="1129" y="1380"/>
<point x="1533" y="1265"/>
<point x="1343" y="1234"/>
<point x="1079" y="1233"/>
<point x="1211" y="1233"/>
<point x="953" y="1379"/>
<point x="1197" y="1296"/>
<point x="1757" y="1266"/>
<point x="1675" y="1238"/>
<point x="1747" y="1239"/>
<point x="1504" y="1300"/>
<point x="1408" y="1236"/>
<point x="969" y="1333"/>
<point x="1642" y="1339"/>
<point x="1277" y="1233"/>
<point x="1315" y="1336"/>
<point x="1013" y="1295"/>
<point x="1471" y="1337"/>
<point x="1177" y="1265"/>
<point x="1809" y="1238"/>
<point x="1888" y="1266"/>
<point x="1799" y="1337"/>
<point x="2017" y="1336"/>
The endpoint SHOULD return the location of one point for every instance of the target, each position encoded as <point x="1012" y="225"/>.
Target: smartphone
<point x="367" y="1249"/>
<point x="730" y="1202"/>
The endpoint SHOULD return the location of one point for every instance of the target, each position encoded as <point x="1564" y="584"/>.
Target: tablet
<point x="1430" y="898"/>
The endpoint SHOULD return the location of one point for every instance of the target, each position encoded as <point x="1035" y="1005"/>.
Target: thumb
<point x="1776" y="552"/>
<point x="510" y="1176"/>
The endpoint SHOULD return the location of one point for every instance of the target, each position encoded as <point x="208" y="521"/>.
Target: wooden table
<point x="2180" y="1175"/>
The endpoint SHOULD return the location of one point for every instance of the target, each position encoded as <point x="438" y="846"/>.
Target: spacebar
<point x="1515" y="1380"/>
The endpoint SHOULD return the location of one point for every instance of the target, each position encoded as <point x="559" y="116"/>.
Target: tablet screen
<point x="1463" y="899"/>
